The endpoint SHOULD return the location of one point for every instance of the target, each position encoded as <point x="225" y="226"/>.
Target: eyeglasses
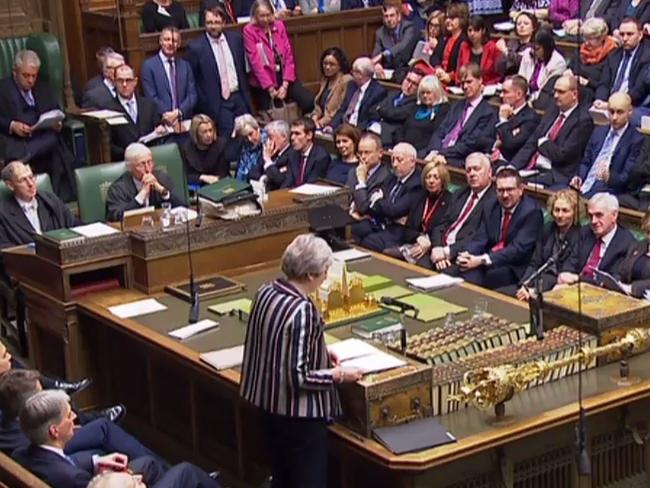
<point x="124" y="81"/>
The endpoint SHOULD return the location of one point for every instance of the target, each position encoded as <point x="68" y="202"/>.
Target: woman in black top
<point x="346" y="138"/>
<point x="634" y="270"/>
<point x="158" y="14"/>
<point x="525" y="28"/>
<point x="426" y="115"/>
<point x="561" y="233"/>
<point x="205" y="153"/>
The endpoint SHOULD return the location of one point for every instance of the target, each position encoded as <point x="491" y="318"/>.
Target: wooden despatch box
<point x="388" y="398"/>
<point x="593" y="309"/>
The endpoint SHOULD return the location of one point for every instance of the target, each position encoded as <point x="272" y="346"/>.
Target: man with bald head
<point x="141" y="112"/>
<point x="611" y="151"/>
<point x="554" y="151"/>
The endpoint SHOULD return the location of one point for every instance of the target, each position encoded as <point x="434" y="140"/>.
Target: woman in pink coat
<point x="272" y="65"/>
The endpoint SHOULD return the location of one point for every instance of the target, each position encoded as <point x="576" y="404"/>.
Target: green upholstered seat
<point x="167" y="157"/>
<point x="43" y="183"/>
<point x="192" y="20"/>
<point x="93" y="183"/>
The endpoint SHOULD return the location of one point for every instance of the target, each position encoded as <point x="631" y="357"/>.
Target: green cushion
<point x="167" y="157"/>
<point x="92" y="186"/>
<point x="48" y="50"/>
<point x="193" y="19"/>
<point x="43" y="183"/>
<point x="454" y="187"/>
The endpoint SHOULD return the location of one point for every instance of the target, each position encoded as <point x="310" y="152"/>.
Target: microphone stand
<point x="194" y="291"/>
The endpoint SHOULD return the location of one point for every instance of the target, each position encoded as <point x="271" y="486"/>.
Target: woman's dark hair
<point x="477" y="22"/>
<point x="461" y="11"/>
<point x="339" y="55"/>
<point x="349" y="131"/>
<point x="544" y="39"/>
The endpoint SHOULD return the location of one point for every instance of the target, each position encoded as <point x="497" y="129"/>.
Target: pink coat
<point x="260" y="54"/>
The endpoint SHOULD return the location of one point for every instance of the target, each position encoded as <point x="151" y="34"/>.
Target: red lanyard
<point x="428" y="213"/>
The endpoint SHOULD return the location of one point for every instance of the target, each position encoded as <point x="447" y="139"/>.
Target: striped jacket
<point x="286" y="364"/>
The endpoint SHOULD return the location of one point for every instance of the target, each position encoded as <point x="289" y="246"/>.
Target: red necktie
<point x="461" y="219"/>
<point x="552" y="135"/>
<point x="505" y="225"/>
<point x="303" y="166"/>
<point x="594" y="260"/>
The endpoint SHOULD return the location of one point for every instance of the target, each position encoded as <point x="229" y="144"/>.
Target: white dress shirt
<point x="30" y="210"/>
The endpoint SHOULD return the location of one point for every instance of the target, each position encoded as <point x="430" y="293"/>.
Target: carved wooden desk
<point x="191" y="411"/>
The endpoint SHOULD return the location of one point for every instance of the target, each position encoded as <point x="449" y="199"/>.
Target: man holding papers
<point x="140" y="186"/>
<point x="287" y="371"/>
<point x="25" y="98"/>
<point x="28" y="211"/>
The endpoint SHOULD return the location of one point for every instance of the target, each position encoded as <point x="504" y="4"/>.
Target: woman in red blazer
<point x="480" y="50"/>
<point x="272" y="64"/>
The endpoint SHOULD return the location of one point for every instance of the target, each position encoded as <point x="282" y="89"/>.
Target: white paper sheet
<point x="140" y="307"/>
<point x="351" y="348"/>
<point x="504" y="26"/>
<point x="311" y="189"/>
<point x="190" y="330"/>
<point x="224" y="358"/>
<point x="103" y="114"/>
<point x="117" y="121"/>
<point x="373" y="363"/>
<point x="350" y="255"/>
<point x="430" y="283"/>
<point x="97" y="229"/>
<point x="48" y="119"/>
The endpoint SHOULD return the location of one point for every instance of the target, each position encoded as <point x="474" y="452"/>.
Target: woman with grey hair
<point x="427" y="114"/>
<point x="287" y="371"/>
<point x="205" y="153"/>
<point x="251" y="139"/>
<point x="597" y="45"/>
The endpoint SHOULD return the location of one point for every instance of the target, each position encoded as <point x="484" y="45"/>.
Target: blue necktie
<point x="394" y="191"/>
<point x="29" y="98"/>
<point x="605" y="154"/>
<point x="620" y="77"/>
<point x="69" y="459"/>
<point x="398" y="101"/>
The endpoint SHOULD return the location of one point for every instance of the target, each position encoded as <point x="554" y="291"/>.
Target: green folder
<point x="60" y="235"/>
<point x="430" y="308"/>
<point x="365" y="328"/>
<point x="375" y="282"/>
<point x="243" y="304"/>
<point x="222" y="189"/>
<point x="393" y="291"/>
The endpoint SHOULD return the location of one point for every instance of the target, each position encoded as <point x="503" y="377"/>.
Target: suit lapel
<point x="20" y="220"/>
<point x="163" y="74"/>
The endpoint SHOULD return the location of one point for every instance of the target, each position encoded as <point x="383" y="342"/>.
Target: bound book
<point x="413" y="436"/>
<point x="226" y="191"/>
<point x="211" y="287"/>
<point x="59" y="236"/>
<point x="380" y="323"/>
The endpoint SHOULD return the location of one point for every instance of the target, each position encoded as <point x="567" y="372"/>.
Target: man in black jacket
<point x="307" y="162"/>
<point x="396" y="108"/>
<point x="103" y="93"/>
<point x="517" y="121"/>
<point x="28" y="211"/>
<point x="140" y="186"/>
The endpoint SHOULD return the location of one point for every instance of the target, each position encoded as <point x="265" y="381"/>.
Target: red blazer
<point x="488" y="61"/>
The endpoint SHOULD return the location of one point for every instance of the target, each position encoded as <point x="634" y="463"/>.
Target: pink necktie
<point x="223" y="67"/>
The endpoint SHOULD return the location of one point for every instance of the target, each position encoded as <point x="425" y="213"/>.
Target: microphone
<point x="194" y="291"/>
<point x="394" y="302"/>
<point x="582" y="454"/>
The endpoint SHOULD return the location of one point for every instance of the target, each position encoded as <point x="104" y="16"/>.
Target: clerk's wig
<point x="307" y="255"/>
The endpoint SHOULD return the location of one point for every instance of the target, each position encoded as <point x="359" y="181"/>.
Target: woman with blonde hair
<point x="425" y="117"/>
<point x="204" y="154"/>
<point x="559" y="238"/>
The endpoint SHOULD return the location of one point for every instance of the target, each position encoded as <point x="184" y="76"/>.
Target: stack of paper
<point x="354" y="353"/>
<point x="188" y="331"/>
<point x="140" y="307"/>
<point x="431" y="283"/>
<point x="97" y="229"/>
<point x="224" y="358"/>
<point x="111" y="117"/>
<point x="315" y="190"/>
<point x="351" y="254"/>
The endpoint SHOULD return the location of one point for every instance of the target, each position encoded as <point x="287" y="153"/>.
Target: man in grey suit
<point x="394" y="41"/>
<point x="102" y="94"/>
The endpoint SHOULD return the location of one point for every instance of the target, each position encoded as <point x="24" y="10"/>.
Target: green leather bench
<point x="192" y="20"/>
<point x="93" y="182"/>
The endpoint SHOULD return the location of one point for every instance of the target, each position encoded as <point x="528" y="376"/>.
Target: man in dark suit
<point x="361" y="97"/>
<point x="368" y="177"/>
<point x="48" y="421"/>
<point x="354" y="4"/>
<point x="28" y="211"/>
<point x="394" y="41"/>
<point x="390" y="205"/>
<point x="469" y="125"/>
<point x="307" y="162"/>
<point x="464" y="214"/>
<point x="218" y="64"/>
<point x="611" y="152"/>
<point x="140" y="186"/>
<point x="102" y="95"/>
<point x="635" y="195"/>
<point x="168" y="80"/>
<point x="500" y="251"/>
<point x="24" y="99"/>
<point x="555" y="149"/>
<point x="517" y="121"/>
<point x="397" y="107"/>
<point x="141" y="113"/>
<point x="100" y="56"/>
<point x="99" y="435"/>
<point x="275" y="155"/>
<point x="603" y="244"/>
<point x="625" y="68"/>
